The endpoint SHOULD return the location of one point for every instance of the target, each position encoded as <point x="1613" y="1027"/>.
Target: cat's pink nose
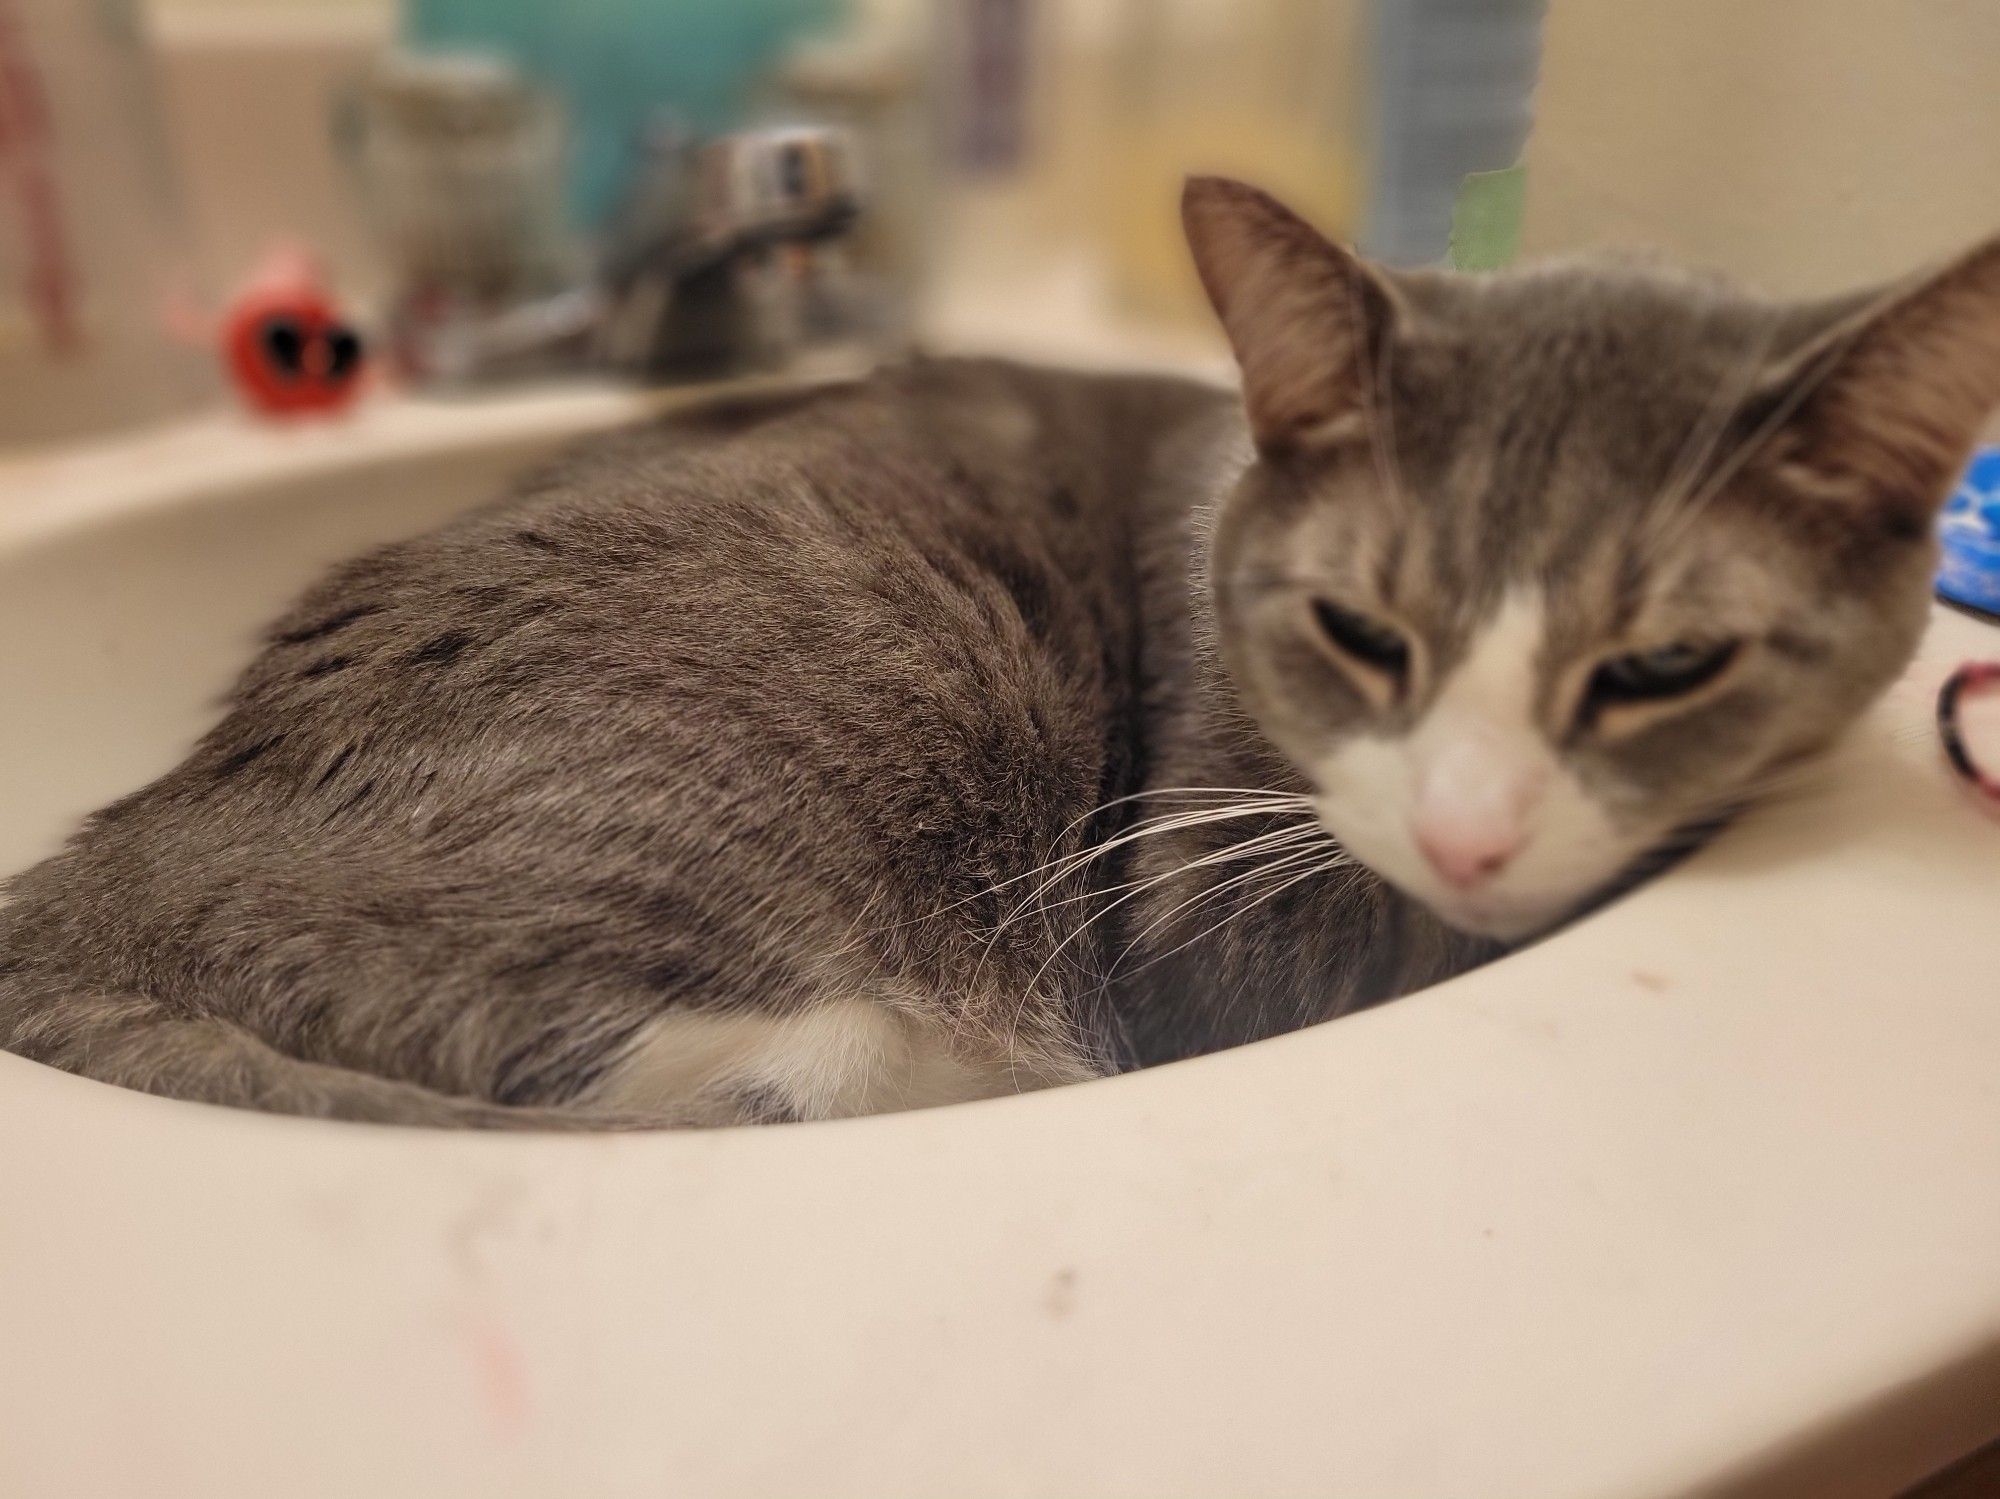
<point x="1465" y="857"/>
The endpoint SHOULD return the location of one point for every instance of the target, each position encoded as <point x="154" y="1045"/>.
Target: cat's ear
<point x="1307" y="319"/>
<point x="1881" y="408"/>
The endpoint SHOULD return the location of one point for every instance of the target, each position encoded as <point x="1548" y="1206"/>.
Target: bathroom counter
<point x="1701" y="1195"/>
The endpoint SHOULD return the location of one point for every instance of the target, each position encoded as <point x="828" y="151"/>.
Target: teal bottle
<point x="619" y="64"/>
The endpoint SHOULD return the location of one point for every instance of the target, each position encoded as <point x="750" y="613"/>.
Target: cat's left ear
<point x="1882" y="408"/>
<point x="1307" y="319"/>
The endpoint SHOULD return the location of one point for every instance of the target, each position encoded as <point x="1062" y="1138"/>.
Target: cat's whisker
<point x="1260" y="844"/>
<point x="1784" y="788"/>
<point x="1070" y="864"/>
<point x="1246" y="848"/>
<point x="1284" y="863"/>
<point x="1074" y="865"/>
<point x="1777" y="789"/>
<point x="1338" y="861"/>
<point x="1242" y="803"/>
<point x="1253" y="847"/>
<point x="1314" y="841"/>
<point x="1207" y="860"/>
<point x="1240" y="796"/>
<point x="1236" y="795"/>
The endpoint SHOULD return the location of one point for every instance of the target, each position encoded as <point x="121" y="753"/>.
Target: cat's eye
<point x="1368" y="641"/>
<point x="1667" y="671"/>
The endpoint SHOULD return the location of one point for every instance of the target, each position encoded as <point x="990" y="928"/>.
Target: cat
<point x="973" y="728"/>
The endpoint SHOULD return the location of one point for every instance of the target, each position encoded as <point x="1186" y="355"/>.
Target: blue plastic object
<point x="1454" y="95"/>
<point x="1970" y="533"/>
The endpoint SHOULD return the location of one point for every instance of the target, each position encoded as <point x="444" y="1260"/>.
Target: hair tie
<point x="1975" y="676"/>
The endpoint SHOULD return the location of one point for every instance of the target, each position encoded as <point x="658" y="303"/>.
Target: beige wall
<point x="250" y="96"/>
<point x="1802" y="144"/>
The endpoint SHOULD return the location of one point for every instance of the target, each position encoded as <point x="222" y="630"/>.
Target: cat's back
<point x="943" y="522"/>
<point x="932" y="563"/>
<point x="674" y="717"/>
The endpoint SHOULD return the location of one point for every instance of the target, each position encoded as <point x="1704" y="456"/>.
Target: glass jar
<point x="1257" y="89"/>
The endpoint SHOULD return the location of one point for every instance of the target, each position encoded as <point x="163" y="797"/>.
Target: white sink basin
<point x="1703" y="1194"/>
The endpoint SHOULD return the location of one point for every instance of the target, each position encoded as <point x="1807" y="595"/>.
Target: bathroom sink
<point x="1702" y="1194"/>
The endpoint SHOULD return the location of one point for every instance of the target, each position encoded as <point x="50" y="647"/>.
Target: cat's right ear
<point x="1307" y="319"/>
<point x="1881" y="409"/>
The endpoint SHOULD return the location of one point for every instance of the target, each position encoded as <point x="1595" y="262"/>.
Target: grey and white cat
<point x="973" y="728"/>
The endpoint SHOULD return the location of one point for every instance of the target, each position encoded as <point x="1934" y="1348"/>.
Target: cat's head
<point x="1535" y="572"/>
